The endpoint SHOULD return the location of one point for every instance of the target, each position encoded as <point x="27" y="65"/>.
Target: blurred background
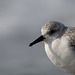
<point x="20" y="24"/>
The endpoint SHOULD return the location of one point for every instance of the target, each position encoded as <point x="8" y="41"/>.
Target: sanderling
<point x="59" y="43"/>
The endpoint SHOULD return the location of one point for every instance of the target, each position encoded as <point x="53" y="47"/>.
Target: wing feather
<point x="71" y="33"/>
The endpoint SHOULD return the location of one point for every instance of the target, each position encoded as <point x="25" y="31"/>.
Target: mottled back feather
<point x="71" y="33"/>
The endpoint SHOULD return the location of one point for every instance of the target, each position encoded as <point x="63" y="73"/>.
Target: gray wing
<point x="71" y="32"/>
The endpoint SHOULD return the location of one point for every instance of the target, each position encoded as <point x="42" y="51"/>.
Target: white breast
<point x="52" y="55"/>
<point x="61" y="54"/>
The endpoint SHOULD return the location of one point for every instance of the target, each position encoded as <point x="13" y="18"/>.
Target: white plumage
<point x="59" y="43"/>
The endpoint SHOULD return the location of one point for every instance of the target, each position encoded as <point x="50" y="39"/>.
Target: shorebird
<point x="59" y="43"/>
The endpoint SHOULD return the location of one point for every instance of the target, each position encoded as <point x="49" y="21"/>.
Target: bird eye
<point x="52" y="31"/>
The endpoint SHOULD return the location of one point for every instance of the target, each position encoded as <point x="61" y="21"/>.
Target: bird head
<point x="49" y="32"/>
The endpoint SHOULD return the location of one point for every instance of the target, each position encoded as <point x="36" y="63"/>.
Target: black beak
<point x="41" y="38"/>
